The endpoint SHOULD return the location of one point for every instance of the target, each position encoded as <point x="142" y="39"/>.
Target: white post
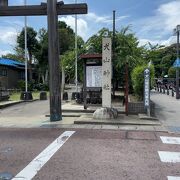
<point x="25" y="39"/>
<point x="106" y="72"/>
<point x="76" y="51"/>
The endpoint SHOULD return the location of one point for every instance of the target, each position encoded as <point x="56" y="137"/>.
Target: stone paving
<point x="34" y="115"/>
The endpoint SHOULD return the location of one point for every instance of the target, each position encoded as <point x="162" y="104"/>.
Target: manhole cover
<point x="6" y="176"/>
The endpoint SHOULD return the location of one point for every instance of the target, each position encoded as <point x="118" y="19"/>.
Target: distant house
<point x="11" y="72"/>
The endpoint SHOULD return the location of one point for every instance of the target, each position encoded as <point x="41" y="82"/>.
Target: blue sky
<point x="151" y="20"/>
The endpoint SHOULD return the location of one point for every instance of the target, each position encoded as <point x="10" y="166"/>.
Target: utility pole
<point x="76" y="74"/>
<point x="25" y="50"/>
<point x="113" y="51"/>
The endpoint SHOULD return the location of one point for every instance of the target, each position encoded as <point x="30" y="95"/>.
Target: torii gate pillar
<point x="54" y="70"/>
<point x="4" y="3"/>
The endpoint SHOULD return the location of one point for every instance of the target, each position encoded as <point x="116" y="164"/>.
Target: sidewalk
<point x="35" y="115"/>
<point x="167" y="110"/>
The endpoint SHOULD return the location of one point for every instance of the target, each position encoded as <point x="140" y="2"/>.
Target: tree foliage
<point x="32" y="42"/>
<point x="32" y="45"/>
<point x="137" y="76"/>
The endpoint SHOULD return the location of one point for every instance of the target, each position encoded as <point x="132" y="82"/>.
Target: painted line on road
<point x="173" y="178"/>
<point x="170" y="140"/>
<point x="169" y="157"/>
<point x="38" y="162"/>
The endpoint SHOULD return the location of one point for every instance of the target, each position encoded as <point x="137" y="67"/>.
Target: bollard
<point x="167" y="91"/>
<point x="65" y="96"/>
<point x="26" y="96"/>
<point x="160" y="90"/>
<point x="172" y="93"/>
<point x="43" y="95"/>
<point x="164" y="90"/>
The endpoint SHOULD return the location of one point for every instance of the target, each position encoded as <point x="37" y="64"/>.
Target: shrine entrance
<point x="51" y="9"/>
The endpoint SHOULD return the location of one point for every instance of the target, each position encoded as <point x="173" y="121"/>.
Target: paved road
<point x="88" y="154"/>
<point x="167" y="110"/>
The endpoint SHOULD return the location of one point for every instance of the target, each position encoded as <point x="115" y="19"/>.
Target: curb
<point x="114" y="123"/>
<point x="14" y="103"/>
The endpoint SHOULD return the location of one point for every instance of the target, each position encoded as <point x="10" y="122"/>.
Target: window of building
<point x="3" y="72"/>
<point x="21" y="75"/>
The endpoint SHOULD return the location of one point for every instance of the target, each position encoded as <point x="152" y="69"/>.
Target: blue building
<point x="11" y="72"/>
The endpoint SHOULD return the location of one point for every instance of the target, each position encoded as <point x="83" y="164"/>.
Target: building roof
<point x="12" y="63"/>
<point x="91" y="56"/>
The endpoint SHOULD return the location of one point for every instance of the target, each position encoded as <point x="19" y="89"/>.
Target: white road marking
<point x="170" y="140"/>
<point x="38" y="162"/>
<point x="171" y="157"/>
<point x="173" y="178"/>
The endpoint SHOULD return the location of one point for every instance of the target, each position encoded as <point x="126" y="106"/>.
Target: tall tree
<point x="66" y="37"/>
<point x="32" y="44"/>
<point x="42" y="55"/>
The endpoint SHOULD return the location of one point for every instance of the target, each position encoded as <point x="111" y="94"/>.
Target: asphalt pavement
<point x="88" y="155"/>
<point x="87" y="152"/>
<point x="167" y="110"/>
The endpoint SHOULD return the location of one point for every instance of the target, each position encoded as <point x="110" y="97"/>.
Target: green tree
<point x="32" y="44"/>
<point x="42" y="55"/>
<point x="137" y="76"/>
<point x="94" y="43"/>
<point x="67" y="43"/>
<point x="172" y="72"/>
<point x="66" y="37"/>
<point x="14" y="57"/>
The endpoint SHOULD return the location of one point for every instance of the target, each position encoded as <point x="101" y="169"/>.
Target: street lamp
<point x="177" y="61"/>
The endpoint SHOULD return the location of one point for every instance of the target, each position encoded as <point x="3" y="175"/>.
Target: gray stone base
<point x="105" y="113"/>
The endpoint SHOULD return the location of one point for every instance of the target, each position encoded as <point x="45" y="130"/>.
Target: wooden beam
<point x="40" y="10"/>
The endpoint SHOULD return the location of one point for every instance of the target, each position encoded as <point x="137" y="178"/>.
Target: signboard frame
<point x="88" y="77"/>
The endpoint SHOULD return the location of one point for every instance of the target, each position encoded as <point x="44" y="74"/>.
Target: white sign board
<point x="94" y="76"/>
<point x="106" y="72"/>
<point x="146" y="88"/>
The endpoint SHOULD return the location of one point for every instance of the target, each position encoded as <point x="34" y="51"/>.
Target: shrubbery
<point x="172" y="72"/>
<point x="32" y="86"/>
<point x="137" y="77"/>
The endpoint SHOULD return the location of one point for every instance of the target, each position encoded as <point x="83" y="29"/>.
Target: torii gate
<point x="52" y="9"/>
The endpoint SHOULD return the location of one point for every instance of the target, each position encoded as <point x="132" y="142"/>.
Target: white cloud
<point x="4" y="52"/>
<point x="103" y="19"/>
<point x="82" y="26"/>
<point x="165" y="19"/>
<point x="8" y="35"/>
<point x="90" y="24"/>
<point x="165" y="42"/>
